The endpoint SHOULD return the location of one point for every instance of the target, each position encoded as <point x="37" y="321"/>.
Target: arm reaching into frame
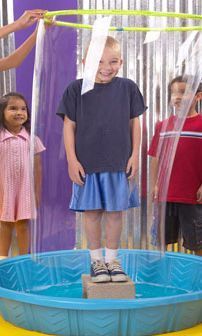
<point x="18" y="56"/>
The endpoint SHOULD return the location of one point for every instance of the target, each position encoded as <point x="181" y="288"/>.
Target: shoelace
<point x="114" y="266"/>
<point x="99" y="266"/>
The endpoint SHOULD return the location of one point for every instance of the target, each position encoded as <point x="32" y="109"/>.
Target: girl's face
<point x="15" y="114"/>
<point x="109" y="66"/>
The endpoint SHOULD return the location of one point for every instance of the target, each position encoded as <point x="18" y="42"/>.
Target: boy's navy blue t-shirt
<point x="102" y="117"/>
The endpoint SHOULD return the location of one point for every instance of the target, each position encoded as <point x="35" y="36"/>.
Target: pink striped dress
<point x="15" y="182"/>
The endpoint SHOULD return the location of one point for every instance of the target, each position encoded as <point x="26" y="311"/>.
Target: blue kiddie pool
<point x="46" y="295"/>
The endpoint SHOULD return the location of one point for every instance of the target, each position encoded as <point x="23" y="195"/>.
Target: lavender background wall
<point x="56" y="224"/>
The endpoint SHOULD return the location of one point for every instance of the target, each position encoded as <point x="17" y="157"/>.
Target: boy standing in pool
<point x="102" y="140"/>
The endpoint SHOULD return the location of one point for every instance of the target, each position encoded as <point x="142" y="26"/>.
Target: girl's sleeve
<point x="38" y="146"/>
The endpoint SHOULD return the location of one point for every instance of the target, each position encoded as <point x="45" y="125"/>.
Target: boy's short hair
<point x="182" y="79"/>
<point x="112" y="42"/>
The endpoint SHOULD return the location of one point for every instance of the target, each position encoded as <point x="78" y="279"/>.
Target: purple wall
<point x="56" y="224"/>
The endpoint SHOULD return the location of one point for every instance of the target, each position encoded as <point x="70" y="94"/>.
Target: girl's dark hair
<point x="182" y="79"/>
<point x="4" y="100"/>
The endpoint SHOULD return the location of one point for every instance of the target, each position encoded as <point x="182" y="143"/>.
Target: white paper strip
<point x="35" y="104"/>
<point x="151" y="37"/>
<point x="154" y="35"/>
<point x="95" y="51"/>
<point x="36" y="80"/>
<point x="184" y="49"/>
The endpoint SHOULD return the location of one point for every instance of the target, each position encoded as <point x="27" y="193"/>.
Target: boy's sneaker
<point x="99" y="272"/>
<point x="116" y="272"/>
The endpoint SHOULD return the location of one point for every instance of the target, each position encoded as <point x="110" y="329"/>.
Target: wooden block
<point x="107" y="290"/>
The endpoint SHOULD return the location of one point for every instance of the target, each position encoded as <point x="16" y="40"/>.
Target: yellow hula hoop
<point x="49" y="15"/>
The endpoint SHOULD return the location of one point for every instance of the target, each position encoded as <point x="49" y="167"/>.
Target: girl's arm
<point x="133" y="162"/>
<point x="18" y="56"/>
<point x="37" y="178"/>
<point x="76" y="171"/>
<point x="27" y="19"/>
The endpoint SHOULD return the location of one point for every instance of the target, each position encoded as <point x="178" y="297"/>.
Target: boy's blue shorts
<point x="107" y="191"/>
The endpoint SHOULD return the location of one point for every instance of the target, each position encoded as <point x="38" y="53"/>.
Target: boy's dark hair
<point x="4" y="100"/>
<point x="182" y="79"/>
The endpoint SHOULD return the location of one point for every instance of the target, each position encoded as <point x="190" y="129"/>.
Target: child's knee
<point x="21" y="227"/>
<point x="92" y="216"/>
<point x="114" y="216"/>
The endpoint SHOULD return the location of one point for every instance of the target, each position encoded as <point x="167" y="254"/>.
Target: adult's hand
<point x="29" y="17"/>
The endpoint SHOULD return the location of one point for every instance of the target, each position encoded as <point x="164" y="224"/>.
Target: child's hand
<point x="155" y="193"/>
<point x="199" y="195"/>
<point x="76" y="172"/>
<point x="29" y="17"/>
<point x="132" y="167"/>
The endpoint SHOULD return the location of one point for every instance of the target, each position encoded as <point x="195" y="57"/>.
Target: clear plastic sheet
<point x="170" y="132"/>
<point x="55" y="225"/>
<point x="54" y="228"/>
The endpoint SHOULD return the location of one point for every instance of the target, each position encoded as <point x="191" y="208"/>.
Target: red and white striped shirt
<point x="186" y="174"/>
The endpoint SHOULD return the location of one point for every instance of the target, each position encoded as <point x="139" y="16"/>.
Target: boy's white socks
<point x="110" y="254"/>
<point x="96" y="254"/>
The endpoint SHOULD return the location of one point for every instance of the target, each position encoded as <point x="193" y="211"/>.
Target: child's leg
<point x="113" y="229"/>
<point x="92" y="221"/>
<point x="99" y="272"/>
<point x="191" y="223"/>
<point x="113" y="233"/>
<point x="198" y="253"/>
<point x="22" y="232"/>
<point x="6" y="229"/>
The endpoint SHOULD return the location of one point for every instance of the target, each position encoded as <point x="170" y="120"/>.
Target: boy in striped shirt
<point x="184" y="196"/>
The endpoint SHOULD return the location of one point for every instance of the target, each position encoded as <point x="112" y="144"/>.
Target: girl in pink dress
<point x="16" y="193"/>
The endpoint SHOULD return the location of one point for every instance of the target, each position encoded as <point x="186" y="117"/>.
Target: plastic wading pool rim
<point x="25" y="269"/>
<point x="92" y="304"/>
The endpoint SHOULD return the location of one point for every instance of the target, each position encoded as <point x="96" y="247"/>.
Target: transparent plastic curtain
<point x="55" y="224"/>
<point x="55" y="66"/>
<point x="189" y="67"/>
<point x="7" y="78"/>
<point x="152" y="66"/>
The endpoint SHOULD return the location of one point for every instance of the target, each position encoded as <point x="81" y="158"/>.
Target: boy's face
<point x="109" y="65"/>
<point x="178" y="90"/>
